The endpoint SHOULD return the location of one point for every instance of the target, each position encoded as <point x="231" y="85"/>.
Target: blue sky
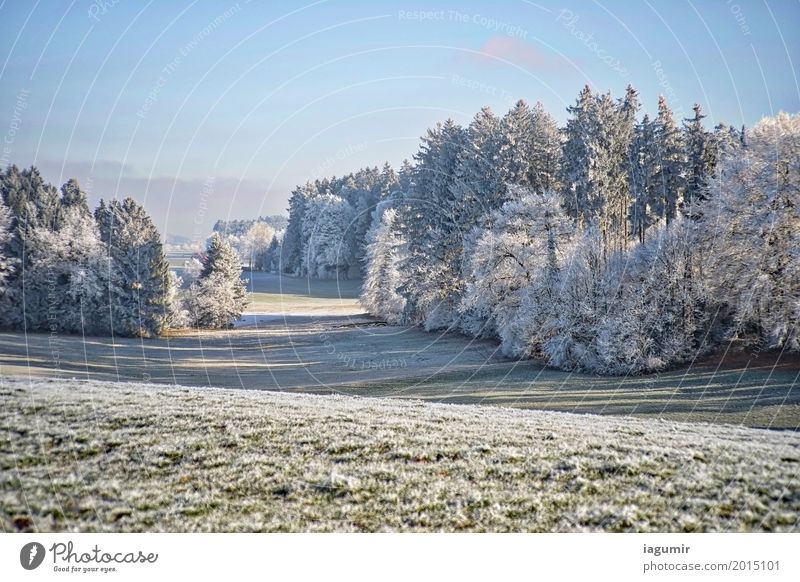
<point x="205" y="110"/>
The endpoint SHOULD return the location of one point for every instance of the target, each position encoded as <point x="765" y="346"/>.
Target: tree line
<point x="615" y="244"/>
<point x="67" y="269"/>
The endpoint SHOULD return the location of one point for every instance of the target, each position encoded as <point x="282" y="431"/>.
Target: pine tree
<point x="670" y="164"/>
<point x="218" y="297"/>
<point x="516" y="144"/>
<point x="596" y="164"/>
<point x="8" y="262"/>
<point x="699" y="160"/>
<point x="272" y="256"/>
<point x="385" y="251"/>
<point x="292" y="248"/>
<point x="644" y="194"/>
<point x="430" y="223"/>
<point x="136" y="271"/>
<point x="66" y="268"/>
<point x="73" y="197"/>
<point x="579" y="159"/>
<point x="543" y="152"/>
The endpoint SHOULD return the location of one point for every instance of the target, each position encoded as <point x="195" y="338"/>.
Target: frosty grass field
<point x="125" y="457"/>
<point x="132" y="435"/>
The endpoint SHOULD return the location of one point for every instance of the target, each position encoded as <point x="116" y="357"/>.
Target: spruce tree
<point x="430" y="223"/>
<point x="670" y="163"/>
<point x="385" y="250"/>
<point x="699" y="160"/>
<point x="544" y="152"/>
<point x="579" y="158"/>
<point x="136" y="271"/>
<point x="7" y="261"/>
<point x="642" y="179"/>
<point x="218" y="297"/>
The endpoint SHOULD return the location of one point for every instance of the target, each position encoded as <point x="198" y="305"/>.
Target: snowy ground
<point x="322" y="343"/>
<point x="95" y="456"/>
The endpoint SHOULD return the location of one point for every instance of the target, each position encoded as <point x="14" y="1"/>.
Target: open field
<point x="322" y="344"/>
<point x="94" y="456"/>
<point x="270" y="293"/>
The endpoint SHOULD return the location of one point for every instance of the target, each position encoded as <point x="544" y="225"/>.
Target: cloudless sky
<point x="204" y="110"/>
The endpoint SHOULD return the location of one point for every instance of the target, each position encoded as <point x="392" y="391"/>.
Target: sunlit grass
<point x="93" y="456"/>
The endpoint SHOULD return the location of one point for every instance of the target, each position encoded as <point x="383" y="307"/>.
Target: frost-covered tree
<point x="255" y="244"/>
<point x="66" y="273"/>
<point x="136" y="271"/>
<point x="73" y="198"/>
<point x="752" y="225"/>
<point x="544" y="152"/>
<point x="218" y="297"/>
<point x="292" y="248"/>
<point x="8" y="262"/>
<point x="620" y="126"/>
<point x="644" y="193"/>
<point x="662" y="312"/>
<point x="430" y="223"/>
<point x="514" y="271"/>
<point x="700" y="160"/>
<point x="670" y="164"/>
<point x="272" y="256"/>
<point x="385" y="251"/>
<point x="516" y="144"/>
<point x="192" y="268"/>
<point x="34" y="202"/>
<point x="585" y="294"/>
<point x="372" y="186"/>
<point x="596" y="163"/>
<point x="34" y="206"/>
<point x="326" y="253"/>
<point x="579" y="159"/>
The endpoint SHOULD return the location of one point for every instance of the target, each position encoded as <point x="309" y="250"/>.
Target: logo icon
<point x="31" y="555"/>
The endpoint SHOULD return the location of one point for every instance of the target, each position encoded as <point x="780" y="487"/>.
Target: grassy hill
<point x="100" y="456"/>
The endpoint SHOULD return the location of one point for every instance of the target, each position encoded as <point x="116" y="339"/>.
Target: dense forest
<point x="616" y="244"/>
<point x="66" y="269"/>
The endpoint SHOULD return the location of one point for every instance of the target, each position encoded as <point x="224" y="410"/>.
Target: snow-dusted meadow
<point x="98" y="456"/>
<point x="321" y="344"/>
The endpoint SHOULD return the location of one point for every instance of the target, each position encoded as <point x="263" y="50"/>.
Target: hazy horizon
<point x="204" y="111"/>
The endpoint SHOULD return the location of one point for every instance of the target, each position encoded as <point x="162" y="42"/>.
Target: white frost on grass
<point x="94" y="456"/>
